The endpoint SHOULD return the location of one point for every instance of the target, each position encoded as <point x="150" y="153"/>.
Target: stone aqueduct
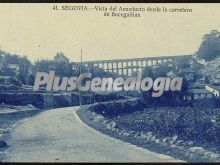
<point x="125" y="67"/>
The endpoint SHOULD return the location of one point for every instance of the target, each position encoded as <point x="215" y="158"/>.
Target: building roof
<point x="216" y="87"/>
<point x="199" y="91"/>
<point x="13" y="66"/>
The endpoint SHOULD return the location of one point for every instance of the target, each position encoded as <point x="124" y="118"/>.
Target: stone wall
<point x="53" y="100"/>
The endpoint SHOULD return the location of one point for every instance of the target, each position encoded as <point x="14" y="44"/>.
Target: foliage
<point x="27" y="71"/>
<point x="198" y="125"/>
<point x="24" y="66"/>
<point x="210" y="46"/>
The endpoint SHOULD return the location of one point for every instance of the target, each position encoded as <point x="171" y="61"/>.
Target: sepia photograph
<point x="109" y="82"/>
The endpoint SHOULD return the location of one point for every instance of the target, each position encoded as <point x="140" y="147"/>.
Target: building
<point x="214" y="89"/>
<point x="13" y="67"/>
<point x="202" y="61"/>
<point x="198" y="93"/>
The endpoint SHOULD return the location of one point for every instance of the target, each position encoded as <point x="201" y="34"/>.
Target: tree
<point x="7" y="59"/>
<point x="210" y="46"/>
<point x="161" y="70"/>
<point x="61" y="58"/>
<point x="24" y="66"/>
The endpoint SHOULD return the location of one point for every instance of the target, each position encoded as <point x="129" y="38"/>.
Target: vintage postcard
<point x="109" y="82"/>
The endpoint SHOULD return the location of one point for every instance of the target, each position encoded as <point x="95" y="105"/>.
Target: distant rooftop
<point x="199" y="91"/>
<point x="215" y="86"/>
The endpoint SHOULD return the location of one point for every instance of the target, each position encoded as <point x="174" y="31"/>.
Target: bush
<point x="115" y="108"/>
<point x="199" y="125"/>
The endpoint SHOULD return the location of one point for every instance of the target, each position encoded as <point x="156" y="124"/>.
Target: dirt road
<point x="59" y="135"/>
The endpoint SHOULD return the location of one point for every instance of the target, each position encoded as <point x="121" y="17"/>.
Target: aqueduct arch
<point x="125" y="67"/>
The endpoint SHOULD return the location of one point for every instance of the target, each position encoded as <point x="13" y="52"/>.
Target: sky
<point x="37" y="31"/>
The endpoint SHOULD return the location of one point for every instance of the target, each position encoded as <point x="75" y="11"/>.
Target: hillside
<point x="212" y="70"/>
